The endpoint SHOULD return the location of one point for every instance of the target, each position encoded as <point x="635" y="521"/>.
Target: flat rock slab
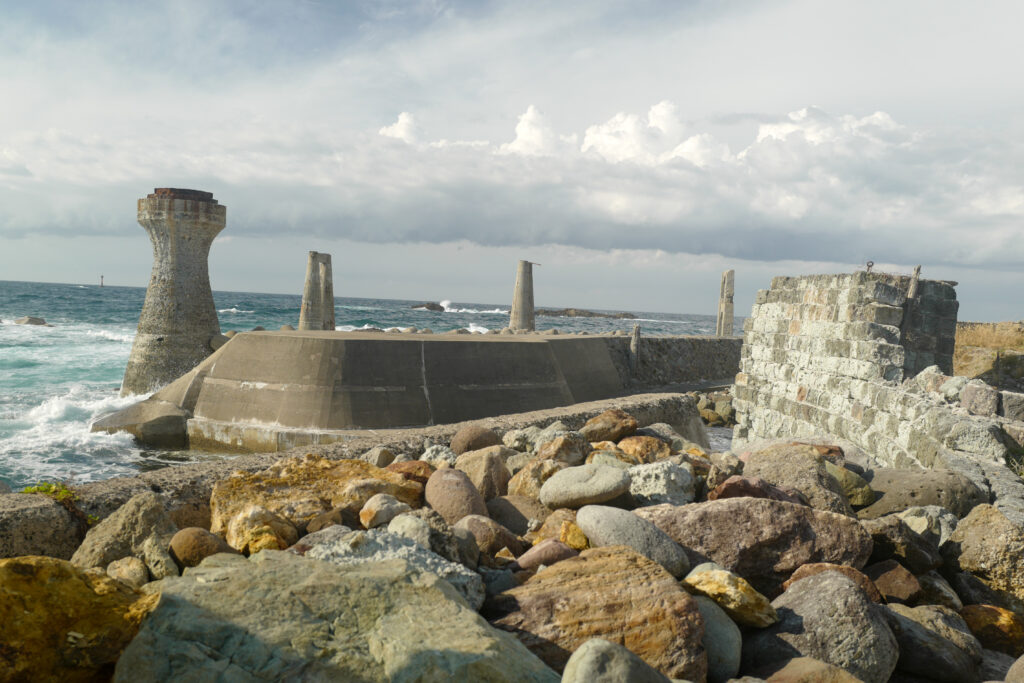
<point x="278" y="616"/>
<point x="899" y="489"/>
<point x="575" y="487"/>
<point x="612" y="593"/>
<point x="35" y="524"/>
<point x="764" y="541"/>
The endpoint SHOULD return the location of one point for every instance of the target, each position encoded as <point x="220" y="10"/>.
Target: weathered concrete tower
<point x="318" y="294"/>
<point x="725" y="319"/>
<point x="178" y="318"/>
<point x="522" y="300"/>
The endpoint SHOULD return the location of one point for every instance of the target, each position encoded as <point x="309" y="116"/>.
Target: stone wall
<point x="665" y="361"/>
<point x="851" y="356"/>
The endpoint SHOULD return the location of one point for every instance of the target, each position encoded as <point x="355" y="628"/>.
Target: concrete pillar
<point x="522" y="300"/>
<point x="318" y="294"/>
<point x="634" y="350"/>
<point x="178" y="317"/>
<point x="725" y="322"/>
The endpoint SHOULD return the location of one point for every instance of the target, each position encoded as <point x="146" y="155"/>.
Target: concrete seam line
<point x="426" y="391"/>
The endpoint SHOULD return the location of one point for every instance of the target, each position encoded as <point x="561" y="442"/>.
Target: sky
<point x="634" y="148"/>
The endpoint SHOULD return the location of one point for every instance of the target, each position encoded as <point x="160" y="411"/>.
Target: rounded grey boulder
<point x="723" y="641"/>
<point x="601" y="661"/>
<point x="605" y="526"/>
<point x="575" y="487"/>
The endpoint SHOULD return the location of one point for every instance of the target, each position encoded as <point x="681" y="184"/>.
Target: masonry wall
<point x="849" y="355"/>
<point x="666" y="361"/>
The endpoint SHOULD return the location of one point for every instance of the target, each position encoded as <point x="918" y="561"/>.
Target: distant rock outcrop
<point x="429" y="306"/>
<point x="580" y="313"/>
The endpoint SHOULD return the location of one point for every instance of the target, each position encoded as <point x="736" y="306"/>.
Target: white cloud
<point x="404" y="129"/>
<point x="535" y="137"/>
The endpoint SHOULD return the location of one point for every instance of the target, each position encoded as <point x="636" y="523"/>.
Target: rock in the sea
<point x="31" y="320"/>
<point x="486" y="469"/>
<point x="859" y="578"/>
<point x="764" y="541"/>
<point x="826" y="616"/>
<point x="518" y="514"/>
<point x="380" y="510"/>
<point x="995" y="628"/>
<point x="358" y="547"/>
<point x="611" y="425"/>
<point x="608" y="526"/>
<point x="192" y="545"/>
<point x="799" y="466"/>
<point x="528" y="481"/>
<point x="723" y="641"/>
<point x="600" y="661"/>
<point x="899" y="489"/>
<point x="153" y="423"/>
<point x="733" y="594"/>
<point x="452" y="494"/>
<point x="382" y="621"/>
<point x="299" y="489"/>
<point x="661" y="482"/>
<point x="256" y="528"/>
<point x="646" y="449"/>
<point x="894" y="540"/>
<point x="473" y="437"/>
<point x="575" y="487"/>
<point x="989" y="546"/>
<point x="61" y="623"/>
<point x="613" y="593"/>
<point x="141" y="527"/>
<point x="935" y="643"/>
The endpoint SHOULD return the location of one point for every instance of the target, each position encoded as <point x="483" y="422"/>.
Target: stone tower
<point x="317" y="311"/>
<point x="521" y="317"/>
<point x="178" y="318"/>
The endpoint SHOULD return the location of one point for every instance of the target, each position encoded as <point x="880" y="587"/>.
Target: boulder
<point x="360" y="547"/>
<point x="899" y="489"/>
<point x="129" y="570"/>
<point x="661" y="482"/>
<point x="802" y="467"/>
<point x="61" y="623"/>
<point x="613" y="593"/>
<point x="382" y="621"/>
<point x="521" y="439"/>
<point x="439" y="456"/>
<point x="764" y="541"/>
<point x="894" y="540"/>
<point x="486" y="469"/>
<point x="739" y="486"/>
<point x="894" y="582"/>
<point x="342" y="516"/>
<point x="31" y="320"/>
<point x="473" y="437"/>
<point x="859" y="578"/>
<point x="733" y="594"/>
<point x="299" y="489"/>
<point x="380" y="510"/>
<point x="935" y="523"/>
<point x="141" y="527"/>
<point x="378" y="456"/>
<point x="803" y="670"/>
<point x="989" y="546"/>
<point x="668" y="434"/>
<point x="570" y="448"/>
<point x="1011" y="406"/>
<point x="995" y="666"/>
<point x="192" y="545"/>
<point x="935" y="590"/>
<point x="575" y="487"/>
<point x="153" y="422"/>
<point x="554" y="527"/>
<point x="722" y="641"/>
<point x="646" y="449"/>
<point x="452" y="494"/>
<point x="413" y="470"/>
<point x="428" y="528"/>
<point x="1016" y="672"/>
<point x="979" y="398"/>
<point x="600" y="661"/>
<point x="518" y="514"/>
<point x="256" y="528"/>
<point x="995" y="628"/>
<point x="826" y="616"/>
<point x="856" y="490"/>
<point x="490" y="536"/>
<point x="611" y="425"/>
<point x="545" y="553"/>
<point x="528" y="481"/>
<point x="36" y="524"/>
<point x="608" y="526"/>
<point x="935" y="643"/>
<point x="613" y="457"/>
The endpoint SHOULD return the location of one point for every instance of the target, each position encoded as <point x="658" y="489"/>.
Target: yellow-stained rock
<point x="299" y="489"/>
<point x="611" y="425"/>
<point x="995" y="628"/>
<point x="255" y="528"/>
<point x="647" y="449"/>
<point x="552" y="526"/>
<point x="855" y="487"/>
<point x="59" y="622"/>
<point x="527" y="481"/>
<point x="573" y="536"/>
<point x="735" y="595"/>
<point x="615" y="452"/>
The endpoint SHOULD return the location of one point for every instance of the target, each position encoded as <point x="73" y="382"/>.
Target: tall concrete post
<point x="634" y="350"/>
<point x="725" y="322"/>
<point x="318" y="294"/>
<point x="521" y="317"/>
<point x="178" y="317"/>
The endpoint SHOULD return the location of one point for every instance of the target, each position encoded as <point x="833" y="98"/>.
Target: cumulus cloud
<point x="404" y="129"/>
<point x="535" y="137"/>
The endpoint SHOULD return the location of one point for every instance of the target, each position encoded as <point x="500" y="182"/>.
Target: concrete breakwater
<point x="271" y="391"/>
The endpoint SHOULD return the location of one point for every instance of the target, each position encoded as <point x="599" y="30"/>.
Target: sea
<point x="55" y="381"/>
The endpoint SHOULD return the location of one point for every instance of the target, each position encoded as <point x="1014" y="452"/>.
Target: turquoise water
<point x="54" y="381"/>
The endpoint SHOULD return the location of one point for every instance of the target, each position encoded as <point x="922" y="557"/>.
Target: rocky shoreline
<point x="596" y="542"/>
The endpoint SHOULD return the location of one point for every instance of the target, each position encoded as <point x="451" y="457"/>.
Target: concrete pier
<point x="725" y="316"/>
<point x="521" y="317"/>
<point x="178" y="317"/>
<point x="318" y="294"/>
